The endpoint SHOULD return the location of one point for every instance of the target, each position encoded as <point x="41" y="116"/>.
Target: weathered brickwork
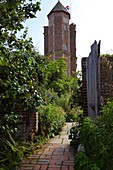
<point x="58" y="40"/>
<point x="106" y="81"/>
<point x="50" y="37"/>
<point x="46" y="40"/>
<point x="106" y="77"/>
<point x="73" y="48"/>
<point x="60" y="37"/>
<point x="84" y="88"/>
<point x="28" y="126"/>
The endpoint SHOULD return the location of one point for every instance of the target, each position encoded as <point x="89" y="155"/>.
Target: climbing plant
<point x="18" y="66"/>
<point x="18" y="75"/>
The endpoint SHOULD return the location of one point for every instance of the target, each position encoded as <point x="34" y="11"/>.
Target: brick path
<point x="57" y="154"/>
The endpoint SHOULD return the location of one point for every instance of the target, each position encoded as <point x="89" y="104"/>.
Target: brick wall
<point x="106" y="81"/>
<point x="73" y="49"/>
<point x="46" y="40"/>
<point x="106" y="77"/>
<point x="58" y="34"/>
<point x="84" y="88"/>
<point x="28" y="126"/>
<point x="50" y="40"/>
<point x="57" y="39"/>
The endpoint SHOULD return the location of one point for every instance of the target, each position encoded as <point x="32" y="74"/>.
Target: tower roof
<point x="59" y="7"/>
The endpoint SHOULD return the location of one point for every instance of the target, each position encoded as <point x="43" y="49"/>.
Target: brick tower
<point x="60" y="37"/>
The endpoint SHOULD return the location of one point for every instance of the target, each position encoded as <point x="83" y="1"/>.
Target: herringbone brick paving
<point x="57" y="154"/>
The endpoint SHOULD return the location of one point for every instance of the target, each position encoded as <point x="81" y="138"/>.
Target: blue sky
<point x="93" y="19"/>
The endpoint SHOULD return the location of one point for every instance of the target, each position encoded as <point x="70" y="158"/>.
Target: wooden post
<point x="93" y="80"/>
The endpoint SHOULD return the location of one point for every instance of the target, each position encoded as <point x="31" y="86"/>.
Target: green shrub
<point x="71" y="113"/>
<point x="51" y="120"/>
<point x="74" y="131"/>
<point x="82" y="162"/>
<point x="48" y="96"/>
<point x="71" y="116"/>
<point x="11" y="153"/>
<point x="64" y="102"/>
<point x="74" y="136"/>
<point x="97" y="138"/>
<point x="76" y="91"/>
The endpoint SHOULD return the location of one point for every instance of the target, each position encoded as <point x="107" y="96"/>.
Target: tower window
<point x="65" y="27"/>
<point x="66" y="47"/>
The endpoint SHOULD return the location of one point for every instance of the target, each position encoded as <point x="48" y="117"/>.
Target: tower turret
<point x="58" y="38"/>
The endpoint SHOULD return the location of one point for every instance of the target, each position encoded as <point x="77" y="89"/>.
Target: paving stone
<point x="53" y="140"/>
<point x="37" y="167"/>
<point x="66" y="158"/>
<point x="68" y="163"/>
<point x="54" y="168"/>
<point x="34" y="161"/>
<point x="57" y="154"/>
<point x="44" y="167"/>
<point x="27" y="165"/>
<point x="27" y="161"/>
<point x="57" y="137"/>
<point x="43" y="162"/>
<point x="34" y="156"/>
<point x="27" y="168"/>
<point x="45" y="156"/>
<point x="53" y="161"/>
<point x="64" y="168"/>
<point x="71" y="167"/>
<point x="64" y="137"/>
<point x="56" y="157"/>
<point x="64" y="132"/>
<point x="65" y="141"/>
<point x="59" y="162"/>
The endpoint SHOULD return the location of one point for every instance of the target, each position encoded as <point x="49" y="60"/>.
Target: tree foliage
<point x="76" y="91"/>
<point x="18" y="75"/>
<point x="18" y="62"/>
<point x="51" y="120"/>
<point x="27" y="79"/>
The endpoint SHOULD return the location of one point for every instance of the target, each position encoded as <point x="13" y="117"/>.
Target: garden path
<point x="57" y="154"/>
